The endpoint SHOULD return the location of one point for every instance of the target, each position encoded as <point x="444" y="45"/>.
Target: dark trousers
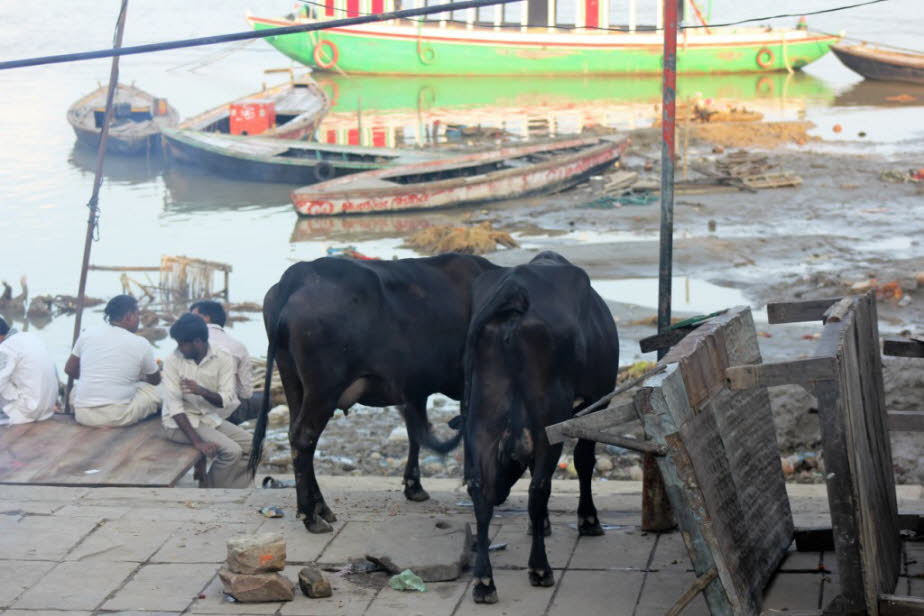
<point x="248" y="409"/>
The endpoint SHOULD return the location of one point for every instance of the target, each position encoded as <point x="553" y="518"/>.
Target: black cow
<point x="373" y="332"/>
<point x="541" y="345"/>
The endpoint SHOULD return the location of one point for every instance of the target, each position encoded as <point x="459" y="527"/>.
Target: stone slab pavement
<point x="87" y="551"/>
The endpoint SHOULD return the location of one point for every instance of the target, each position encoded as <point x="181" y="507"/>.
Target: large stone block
<point x="254" y="588"/>
<point x="259" y="553"/>
<point x="435" y="549"/>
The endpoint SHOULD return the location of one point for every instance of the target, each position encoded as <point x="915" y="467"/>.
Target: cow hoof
<point x="590" y="527"/>
<point x="541" y="578"/>
<point x="482" y="593"/>
<point x="415" y="493"/>
<point x="546" y="528"/>
<point x="326" y="514"/>
<point x="318" y="526"/>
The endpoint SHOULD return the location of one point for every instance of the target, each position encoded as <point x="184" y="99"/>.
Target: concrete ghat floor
<point x="82" y="551"/>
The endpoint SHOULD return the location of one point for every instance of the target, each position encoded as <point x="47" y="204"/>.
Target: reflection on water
<point x="868" y="93"/>
<point x="122" y="169"/>
<point x="195" y="190"/>
<point x="403" y="111"/>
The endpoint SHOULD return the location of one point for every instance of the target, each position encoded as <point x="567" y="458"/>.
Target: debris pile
<point x="754" y="134"/>
<point x="475" y="240"/>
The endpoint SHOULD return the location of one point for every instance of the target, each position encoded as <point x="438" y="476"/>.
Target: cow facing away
<point x="541" y="345"/>
<point x="377" y="333"/>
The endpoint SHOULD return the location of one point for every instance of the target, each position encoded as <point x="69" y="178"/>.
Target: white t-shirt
<point x="28" y="381"/>
<point x="112" y="363"/>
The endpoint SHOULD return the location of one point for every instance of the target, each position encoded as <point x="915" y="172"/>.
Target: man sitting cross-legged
<point x="198" y="383"/>
<point x="28" y="381"/>
<point x="115" y="370"/>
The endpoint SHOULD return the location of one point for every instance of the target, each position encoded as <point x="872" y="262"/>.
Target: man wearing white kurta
<point x="115" y="370"/>
<point x="28" y="381"/>
<point x="198" y="383"/>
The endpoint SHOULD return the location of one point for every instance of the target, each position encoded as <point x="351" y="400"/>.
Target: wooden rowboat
<point x="136" y="123"/>
<point x="507" y="173"/>
<point x="881" y="64"/>
<point x="298" y="106"/>
<point x="288" y="161"/>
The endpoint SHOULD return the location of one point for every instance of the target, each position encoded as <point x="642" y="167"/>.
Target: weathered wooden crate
<point x="845" y="375"/>
<point x="718" y="455"/>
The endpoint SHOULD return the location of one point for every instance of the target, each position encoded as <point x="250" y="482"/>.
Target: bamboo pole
<point x="93" y="205"/>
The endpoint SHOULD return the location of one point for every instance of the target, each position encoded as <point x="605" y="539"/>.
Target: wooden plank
<point x="795" y="372"/>
<point x="685" y="497"/>
<point x="798" y="312"/>
<point x="906" y="421"/>
<point x="838" y="311"/>
<point x="895" y="605"/>
<point x="664" y="340"/>
<point x="61" y="452"/>
<point x="602" y="420"/>
<point x="902" y="347"/>
<point x="600" y="436"/>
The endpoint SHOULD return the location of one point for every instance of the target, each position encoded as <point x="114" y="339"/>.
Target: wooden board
<point x="722" y="450"/>
<point x="858" y="460"/>
<point x="60" y="452"/>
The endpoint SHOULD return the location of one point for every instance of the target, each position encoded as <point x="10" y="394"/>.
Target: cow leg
<point x="547" y="525"/>
<point x="584" y="460"/>
<point x="540" y="487"/>
<point x="484" y="590"/>
<point x="303" y="438"/>
<point x="415" y="414"/>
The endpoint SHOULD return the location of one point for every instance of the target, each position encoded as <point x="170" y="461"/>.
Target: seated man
<point x="115" y="370"/>
<point x="215" y="317"/>
<point x="199" y="382"/>
<point x="28" y="381"/>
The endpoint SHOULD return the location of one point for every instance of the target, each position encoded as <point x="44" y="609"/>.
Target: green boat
<point x="500" y="47"/>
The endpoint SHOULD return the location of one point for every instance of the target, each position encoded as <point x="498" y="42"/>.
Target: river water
<point x="147" y="212"/>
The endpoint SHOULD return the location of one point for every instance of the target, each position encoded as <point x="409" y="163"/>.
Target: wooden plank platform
<point x="60" y="452"/>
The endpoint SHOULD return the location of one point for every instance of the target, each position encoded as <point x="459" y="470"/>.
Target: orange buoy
<point x="837" y="128"/>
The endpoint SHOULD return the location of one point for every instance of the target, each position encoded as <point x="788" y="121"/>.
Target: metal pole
<point x="97" y="182"/>
<point x="656" y="510"/>
<point x="668" y="122"/>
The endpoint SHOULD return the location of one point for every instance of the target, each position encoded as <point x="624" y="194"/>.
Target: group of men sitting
<point x="202" y="390"/>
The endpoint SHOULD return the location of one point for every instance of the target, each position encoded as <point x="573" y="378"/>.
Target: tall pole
<point x="656" y="510"/>
<point x="93" y="204"/>
<point x="668" y="122"/>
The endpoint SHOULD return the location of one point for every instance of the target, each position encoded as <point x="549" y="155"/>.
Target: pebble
<point x="635" y="473"/>
<point x="279" y="416"/>
<point x="398" y="435"/>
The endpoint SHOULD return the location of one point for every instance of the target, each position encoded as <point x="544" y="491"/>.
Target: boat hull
<point x="882" y="66"/>
<point x="403" y="50"/>
<point x="134" y="146"/>
<point x="182" y="151"/>
<point x="494" y="186"/>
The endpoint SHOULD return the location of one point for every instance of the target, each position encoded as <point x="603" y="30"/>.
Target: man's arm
<point x="149" y="369"/>
<point x="72" y="367"/>
<point x="208" y="448"/>
<point x="153" y="379"/>
<point x="7" y="364"/>
<point x="191" y="387"/>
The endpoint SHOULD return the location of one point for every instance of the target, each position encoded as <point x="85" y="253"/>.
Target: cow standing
<point x="542" y="343"/>
<point x="372" y="332"/>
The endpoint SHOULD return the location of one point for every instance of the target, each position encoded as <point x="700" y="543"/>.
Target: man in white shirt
<point x="115" y="370"/>
<point x="215" y="317"/>
<point x="28" y="380"/>
<point x="198" y="383"/>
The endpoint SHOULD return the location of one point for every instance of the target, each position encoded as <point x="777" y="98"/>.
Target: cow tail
<point x="259" y="431"/>
<point x="427" y="439"/>
<point x="272" y="311"/>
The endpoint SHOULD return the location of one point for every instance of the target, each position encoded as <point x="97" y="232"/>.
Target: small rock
<point x="604" y="464"/>
<point x="375" y="456"/>
<point x="279" y="416"/>
<point x="398" y="435"/>
<point x="259" y="553"/>
<point x="635" y="473"/>
<point x="281" y="459"/>
<point x="256" y="588"/>
<point x="313" y="583"/>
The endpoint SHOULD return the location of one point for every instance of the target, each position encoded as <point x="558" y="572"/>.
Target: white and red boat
<point x="507" y="173"/>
